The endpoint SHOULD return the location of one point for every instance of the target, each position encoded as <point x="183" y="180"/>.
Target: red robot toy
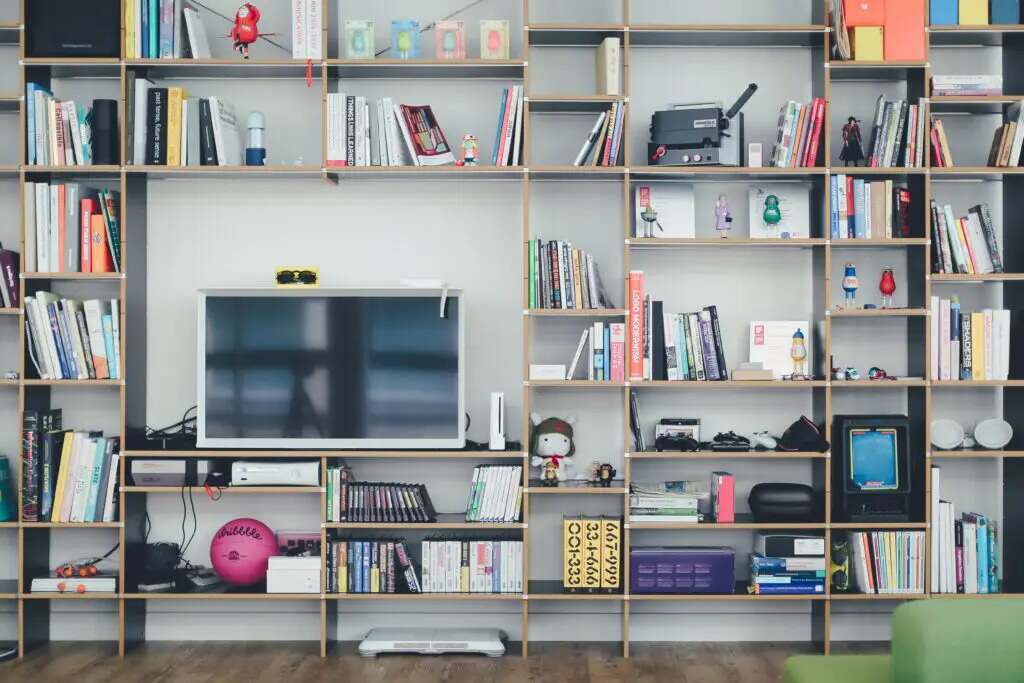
<point x="245" y="32"/>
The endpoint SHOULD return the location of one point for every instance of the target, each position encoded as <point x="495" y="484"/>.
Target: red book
<point x="556" y="275"/>
<point x="89" y="207"/>
<point x="936" y="150"/>
<point x="611" y="134"/>
<point x="505" y="123"/>
<point x="723" y="497"/>
<point x="100" y="254"/>
<point x="851" y="210"/>
<point x="904" y="30"/>
<point x="618" y="352"/>
<point x="636" y="325"/>
<point x="812" y="148"/>
<point x="801" y="135"/>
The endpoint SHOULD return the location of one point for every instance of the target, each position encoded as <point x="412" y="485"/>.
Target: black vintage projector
<point x="698" y="134"/>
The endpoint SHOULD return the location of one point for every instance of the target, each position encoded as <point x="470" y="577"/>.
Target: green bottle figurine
<point x="7" y="512"/>
<point x="772" y="214"/>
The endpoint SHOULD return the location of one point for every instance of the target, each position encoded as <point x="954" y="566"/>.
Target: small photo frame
<point x="450" y="39"/>
<point x="405" y="39"/>
<point x="360" y="39"/>
<point x="494" y="39"/>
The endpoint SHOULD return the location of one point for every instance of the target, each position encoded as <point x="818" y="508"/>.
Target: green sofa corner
<point x="933" y="641"/>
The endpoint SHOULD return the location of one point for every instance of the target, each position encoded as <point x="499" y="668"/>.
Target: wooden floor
<point x="300" y="662"/>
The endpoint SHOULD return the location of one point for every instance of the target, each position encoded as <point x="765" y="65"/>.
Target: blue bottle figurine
<point x="850" y="285"/>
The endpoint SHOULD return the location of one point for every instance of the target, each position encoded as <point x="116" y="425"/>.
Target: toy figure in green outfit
<point x="404" y="44"/>
<point x="772" y="213"/>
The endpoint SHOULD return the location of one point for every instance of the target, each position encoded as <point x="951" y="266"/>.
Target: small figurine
<point x="772" y="213"/>
<point x="552" y="447"/>
<point x="650" y="219"/>
<point x="450" y="39"/>
<point x="798" y="352"/>
<point x="887" y="286"/>
<point x="494" y="39"/>
<point x="850" y="285"/>
<point x="256" y="148"/>
<point x="245" y="31"/>
<point x="595" y="473"/>
<point x="606" y="474"/>
<point x="723" y="217"/>
<point x="852" y="150"/>
<point x="549" y="474"/>
<point x="470" y="149"/>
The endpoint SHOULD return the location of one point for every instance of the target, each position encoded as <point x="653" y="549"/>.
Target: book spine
<point x="712" y="371"/>
<point x="636" y="325"/>
<point x="716" y="331"/>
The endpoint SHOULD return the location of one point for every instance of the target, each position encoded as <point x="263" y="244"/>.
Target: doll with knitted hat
<point x="552" y="448"/>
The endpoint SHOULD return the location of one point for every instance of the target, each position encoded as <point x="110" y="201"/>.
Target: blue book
<point x="982" y="526"/>
<point x="95" y="481"/>
<point x="833" y="192"/>
<point x="154" y="29"/>
<point x="791" y="590"/>
<point x="144" y="26"/>
<point x="166" y="29"/>
<point x="108" y="342"/>
<point x="350" y="560"/>
<point x="501" y="121"/>
<point x="65" y="365"/>
<point x="682" y="358"/>
<point x="607" y="369"/>
<point x="1005" y="11"/>
<point x="993" y="558"/>
<point x="358" y="561"/>
<point x="945" y="12"/>
<point x="860" y="211"/>
<point x="365" y="572"/>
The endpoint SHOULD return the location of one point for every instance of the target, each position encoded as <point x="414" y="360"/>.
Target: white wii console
<point x="255" y="473"/>
<point x="433" y="641"/>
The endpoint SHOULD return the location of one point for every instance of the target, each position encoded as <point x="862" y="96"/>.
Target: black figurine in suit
<point x="852" y="152"/>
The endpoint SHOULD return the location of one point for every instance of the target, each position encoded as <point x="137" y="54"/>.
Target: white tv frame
<point x="204" y="441"/>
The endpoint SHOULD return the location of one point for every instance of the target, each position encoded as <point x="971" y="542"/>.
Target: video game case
<point x="572" y="553"/>
<point x="592" y="554"/>
<point x="611" y="553"/>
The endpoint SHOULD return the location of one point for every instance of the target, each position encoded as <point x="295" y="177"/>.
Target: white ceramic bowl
<point x="947" y="434"/>
<point x="994" y="433"/>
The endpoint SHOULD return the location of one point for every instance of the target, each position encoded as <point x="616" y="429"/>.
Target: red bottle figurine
<point x="245" y="32"/>
<point x="887" y="286"/>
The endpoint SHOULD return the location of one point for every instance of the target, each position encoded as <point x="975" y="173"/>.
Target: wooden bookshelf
<point x="33" y="538"/>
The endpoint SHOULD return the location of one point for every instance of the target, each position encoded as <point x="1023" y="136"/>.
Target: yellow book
<point x="611" y="553"/>
<point x="343" y="567"/>
<point x="62" y="477"/>
<point x="374" y="580"/>
<point x="174" y="99"/>
<point x="129" y="30"/>
<point x="977" y="346"/>
<point x="867" y="43"/>
<point x="591" y="554"/>
<point x="969" y="262"/>
<point x="572" y="553"/>
<point x="973" y="12"/>
<point x="890" y="559"/>
<point x="464" y="568"/>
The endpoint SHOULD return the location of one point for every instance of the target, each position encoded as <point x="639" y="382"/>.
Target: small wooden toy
<point x="470" y="151"/>
<point x="606" y="474"/>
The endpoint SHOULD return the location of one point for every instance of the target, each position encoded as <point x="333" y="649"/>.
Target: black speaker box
<point x="73" y="28"/>
<point x="105" y="133"/>
<point x="770" y="502"/>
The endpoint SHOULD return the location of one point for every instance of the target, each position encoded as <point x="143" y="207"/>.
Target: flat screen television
<point x="318" y="368"/>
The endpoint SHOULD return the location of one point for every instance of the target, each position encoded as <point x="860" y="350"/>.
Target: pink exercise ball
<point x="240" y="551"/>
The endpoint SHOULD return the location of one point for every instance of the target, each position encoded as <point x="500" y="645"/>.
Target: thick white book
<point x="111" y="485"/>
<point x="609" y="66"/>
<point x="94" y="310"/>
<point x="936" y="528"/>
<point x="571" y="372"/>
<point x="361" y="159"/>
<point x="76" y="132"/>
<point x="53" y="231"/>
<point x="225" y="133"/>
<point x="30" y="227"/>
<point x="141" y="113"/>
<point x="315" y="22"/>
<point x="979" y="245"/>
<point x="381" y="140"/>
<point x="36" y="350"/>
<point x="933" y="323"/>
<point x="367" y="140"/>
<point x="1001" y="342"/>
<point x="406" y="135"/>
<point x="198" y="41"/>
<point x="334" y="107"/>
<point x="943" y="339"/>
<point x="300" y="29"/>
<point x="989" y="355"/>
<point x="83" y="479"/>
<point x="115" y="320"/>
<point x="394" y="134"/>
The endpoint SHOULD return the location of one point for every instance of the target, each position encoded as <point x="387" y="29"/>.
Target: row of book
<point x="942" y="157"/>
<point x="897" y="136"/>
<point x="496" y="494"/>
<point x="167" y="127"/>
<point x="672" y="346"/>
<point x="379" y="502"/>
<point x="370" y="567"/>
<point x="59" y="133"/>
<point x="603" y="146"/>
<point x="967" y="244"/>
<point x="669" y="501"/>
<point x="471" y="566"/>
<point x="70" y="339"/>
<point x="336" y="475"/>
<point x="71" y="228"/>
<point x="887" y="562"/>
<point x="1008" y="139"/>
<point x="67" y="476"/>
<point x="606" y="353"/>
<point x="969" y="85"/>
<point x="508" y="134"/>
<point x="799" y="134"/>
<point x="786" y="575"/>
<point x="969" y="345"/>
<point x="562" y="276"/>
<point x="591" y="554"/>
<point x="164" y="29"/>
<point x="861" y="209"/>
<point x="965" y="550"/>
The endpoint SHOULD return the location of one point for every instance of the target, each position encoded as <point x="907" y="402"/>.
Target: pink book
<point x="502" y="144"/>
<point x="636" y="325"/>
<point x="723" y="497"/>
<point x="812" y="147"/>
<point x="618" y="352"/>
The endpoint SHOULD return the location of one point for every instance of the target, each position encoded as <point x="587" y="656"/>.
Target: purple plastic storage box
<point x="681" y="569"/>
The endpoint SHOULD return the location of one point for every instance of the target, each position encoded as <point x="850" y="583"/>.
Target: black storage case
<point x="73" y="28"/>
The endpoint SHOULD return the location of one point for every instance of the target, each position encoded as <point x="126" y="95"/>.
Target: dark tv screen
<point x="331" y="368"/>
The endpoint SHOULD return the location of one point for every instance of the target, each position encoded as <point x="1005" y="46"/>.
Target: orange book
<point x="636" y="325"/>
<point x="62" y="242"/>
<point x="88" y="208"/>
<point x="904" y="30"/>
<point x="972" y="263"/>
<point x="801" y="130"/>
<point x="100" y="254"/>
<point x="864" y="12"/>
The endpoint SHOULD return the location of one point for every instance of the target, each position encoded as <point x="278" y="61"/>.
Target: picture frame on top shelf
<point x="360" y="39"/>
<point x="494" y="39"/>
<point x="405" y="39"/>
<point x="785" y="217"/>
<point x="450" y="39"/>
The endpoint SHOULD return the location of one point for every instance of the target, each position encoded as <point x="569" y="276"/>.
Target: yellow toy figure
<point x="798" y="352"/>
